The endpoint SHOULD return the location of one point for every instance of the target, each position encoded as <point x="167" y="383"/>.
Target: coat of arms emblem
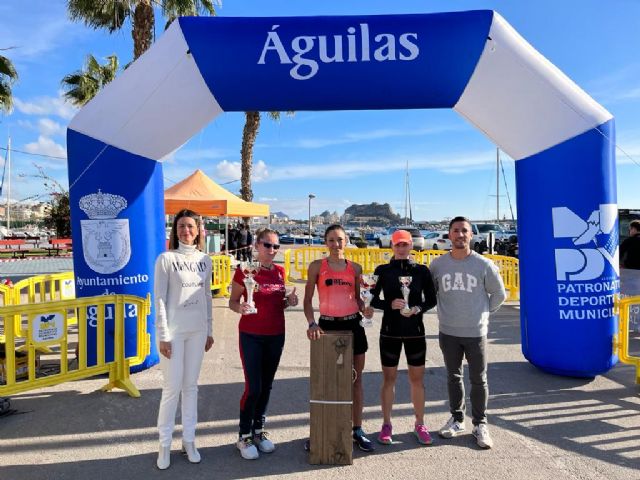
<point x="105" y="239"/>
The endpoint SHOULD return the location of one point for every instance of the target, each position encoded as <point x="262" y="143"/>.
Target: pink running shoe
<point x="385" y="435"/>
<point x="422" y="434"/>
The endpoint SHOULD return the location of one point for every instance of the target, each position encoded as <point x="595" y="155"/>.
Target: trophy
<point x="250" y="269"/>
<point x="367" y="282"/>
<point x="405" y="282"/>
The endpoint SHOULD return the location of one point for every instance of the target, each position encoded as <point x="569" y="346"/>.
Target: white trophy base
<point x="366" y="322"/>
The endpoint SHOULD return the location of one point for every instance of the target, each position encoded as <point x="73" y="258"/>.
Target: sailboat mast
<point x="408" y="216"/>
<point x="498" y="186"/>
<point x="8" y="166"/>
<point x="409" y="196"/>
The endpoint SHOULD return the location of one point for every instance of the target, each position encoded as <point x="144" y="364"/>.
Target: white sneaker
<point x="189" y="449"/>
<point x="164" y="457"/>
<point x="247" y="449"/>
<point x="452" y="428"/>
<point x="263" y="443"/>
<point x="481" y="432"/>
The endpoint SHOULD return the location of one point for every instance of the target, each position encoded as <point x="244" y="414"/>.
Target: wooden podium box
<point x="331" y="399"/>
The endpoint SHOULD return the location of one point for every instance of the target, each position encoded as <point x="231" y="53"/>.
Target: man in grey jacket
<point x="469" y="288"/>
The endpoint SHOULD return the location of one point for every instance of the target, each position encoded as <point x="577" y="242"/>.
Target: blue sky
<point x="341" y="157"/>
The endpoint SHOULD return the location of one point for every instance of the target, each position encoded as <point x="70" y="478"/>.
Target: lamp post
<point x="311" y="195"/>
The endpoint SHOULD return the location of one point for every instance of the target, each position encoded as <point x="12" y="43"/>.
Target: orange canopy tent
<point x="204" y="196"/>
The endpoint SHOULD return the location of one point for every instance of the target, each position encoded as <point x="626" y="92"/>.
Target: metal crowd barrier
<point x="625" y="308"/>
<point x="48" y="326"/>
<point x="297" y="260"/>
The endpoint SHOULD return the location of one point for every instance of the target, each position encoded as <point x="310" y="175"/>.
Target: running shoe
<point x="384" y="437"/>
<point x="261" y="440"/>
<point x="481" y="432"/>
<point x="362" y="441"/>
<point x="452" y="428"/>
<point x="247" y="449"/>
<point x="422" y="434"/>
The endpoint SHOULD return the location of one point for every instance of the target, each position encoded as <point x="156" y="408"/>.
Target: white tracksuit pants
<point x="180" y="374"/>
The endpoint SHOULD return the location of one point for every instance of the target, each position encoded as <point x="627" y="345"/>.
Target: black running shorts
<point x="360" y="345"/>
<point x="415" y="349"/>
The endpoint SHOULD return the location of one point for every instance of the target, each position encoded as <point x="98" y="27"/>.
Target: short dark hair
<point x="331" y="228"/>
<point x="635" y="224"/>
<point x="459" y="219"/>
<point x="173" y="237"/>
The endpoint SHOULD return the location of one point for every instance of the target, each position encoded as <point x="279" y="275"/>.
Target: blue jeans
<point x="260" y="355"/>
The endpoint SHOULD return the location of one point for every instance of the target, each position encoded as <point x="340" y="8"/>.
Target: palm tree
<point x="111" y="15"/>
<point x="8" y="76"/>
<point x="249" y="135"/>
<point x="82" y="85"/>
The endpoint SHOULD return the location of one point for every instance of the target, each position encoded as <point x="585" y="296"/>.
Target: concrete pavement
<point x="544" y="426"/>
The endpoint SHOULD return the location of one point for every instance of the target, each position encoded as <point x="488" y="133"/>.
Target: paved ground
<point x="544" y="426"/>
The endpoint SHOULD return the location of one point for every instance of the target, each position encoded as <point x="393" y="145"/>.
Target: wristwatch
<point x="418" y="310"/>
<point x="313" y="324"/>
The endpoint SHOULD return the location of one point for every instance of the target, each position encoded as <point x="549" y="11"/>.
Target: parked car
<point x="508" y="247"/>
<point x="480" y="240"/>
<point x="437" y="241"/>
<point x="384" y="240"/>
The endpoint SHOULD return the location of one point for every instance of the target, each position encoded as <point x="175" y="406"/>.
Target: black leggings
<point x="260" y="355"/>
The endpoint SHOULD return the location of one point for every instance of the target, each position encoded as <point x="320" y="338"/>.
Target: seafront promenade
<point x="544" y="426"/>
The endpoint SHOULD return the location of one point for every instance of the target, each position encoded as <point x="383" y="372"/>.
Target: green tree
<point x="82" y="85"/>
<point x="59" y="215"/>
<point x="8" y="76"/>
<point x="58" y="211"/>
<point x="111" y="15"/>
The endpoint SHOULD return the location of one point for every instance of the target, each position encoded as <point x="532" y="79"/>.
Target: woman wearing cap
<point x="338" y="282"/>
<point x="403" y="327"/>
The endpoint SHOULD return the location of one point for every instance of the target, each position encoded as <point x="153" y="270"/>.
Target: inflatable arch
<point x="473" y="62"/>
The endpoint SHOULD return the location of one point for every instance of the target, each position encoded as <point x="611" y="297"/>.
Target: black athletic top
<point x="421" y="294"/>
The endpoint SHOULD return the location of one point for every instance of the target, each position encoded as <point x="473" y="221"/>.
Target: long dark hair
<point x="173" y="237"/>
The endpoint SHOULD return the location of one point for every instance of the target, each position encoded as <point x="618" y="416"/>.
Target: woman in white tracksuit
<point x="184" y="322"/>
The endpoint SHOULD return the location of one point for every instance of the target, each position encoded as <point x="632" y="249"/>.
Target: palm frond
<point x="8" y="70"/>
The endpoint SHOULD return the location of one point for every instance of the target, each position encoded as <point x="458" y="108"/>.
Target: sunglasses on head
<point x="268" y="245"/>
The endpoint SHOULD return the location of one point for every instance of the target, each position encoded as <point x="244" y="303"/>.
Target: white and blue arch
<point x="473" y="62"/>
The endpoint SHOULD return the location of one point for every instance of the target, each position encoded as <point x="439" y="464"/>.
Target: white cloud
<point x="46" y="146"/>
<point x="37" y="28"/>
<point x="49" y="128"/>
<point x="227" y="170"/>
<point x="188" y="155"/>
<point x="46" y="106"/>
<point x="379" y="134"/>
<point x="617" y="86"/>
<point x="450" y="163"/>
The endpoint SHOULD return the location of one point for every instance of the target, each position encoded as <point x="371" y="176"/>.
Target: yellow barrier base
<point x="126" y="385"/>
